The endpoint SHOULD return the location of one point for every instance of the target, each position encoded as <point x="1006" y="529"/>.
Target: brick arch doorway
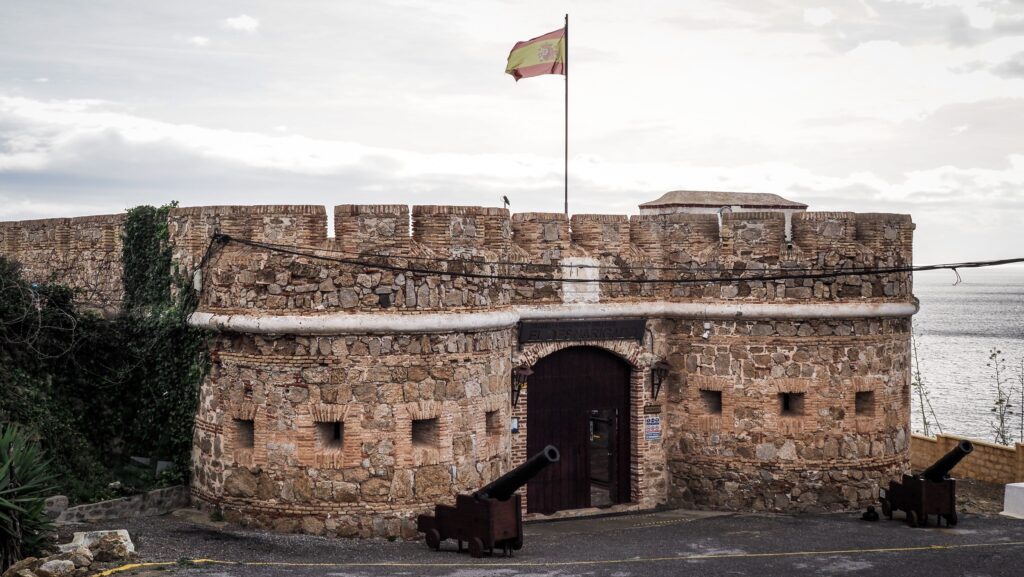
<point x="579" y="402"/>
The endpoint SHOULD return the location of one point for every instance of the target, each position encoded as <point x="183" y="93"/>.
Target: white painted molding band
<point x="718" y="311"/>
<point x="359" y="323"/>
<point x="399" y="323"/>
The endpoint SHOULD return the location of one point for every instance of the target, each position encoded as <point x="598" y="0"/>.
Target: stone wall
<point x="988" y="462"/>
<point x="411" y="412"/>
<point x="83" y="253"/>
<point x="736" y="446"/>
<point x="152" y="503"/>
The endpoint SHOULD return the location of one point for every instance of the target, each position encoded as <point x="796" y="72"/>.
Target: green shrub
<point x="51" y="378"/>
<point x="97" y="391"/>
<point x="24" y="484"/>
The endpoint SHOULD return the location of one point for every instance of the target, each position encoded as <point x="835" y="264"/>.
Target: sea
<point x="959" y="326"/>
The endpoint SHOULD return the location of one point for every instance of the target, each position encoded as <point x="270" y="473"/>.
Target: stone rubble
<point x="73" y="561"/>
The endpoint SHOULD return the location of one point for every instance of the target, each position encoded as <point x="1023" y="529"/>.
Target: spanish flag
<point x="541" y="55"/>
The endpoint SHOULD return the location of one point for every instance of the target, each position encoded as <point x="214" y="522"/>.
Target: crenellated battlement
<point x="600" y="233"/>
<point x="372" y="228"/>
<point x="816" y="232"/>
<point x="81" y="252"/>
<point x="675" y="239"/>
<point x="757" y="236"/>
<point x="654" y="246"/>
<point x="458" y="230"/>
<point x="887" y="234"/>
<point x="543" y="235"/>
<point x="191" y="228"/>
<point x="83" y="233"/>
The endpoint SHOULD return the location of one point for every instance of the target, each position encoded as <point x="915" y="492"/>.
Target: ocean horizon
<point x="956" y="329"/>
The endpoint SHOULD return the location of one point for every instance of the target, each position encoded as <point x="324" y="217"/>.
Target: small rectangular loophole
<point x="330" y="434"/>
<point x="426" y="433"/>
<point x="245" y="434"/>
<point x="791" y="404"/>
<point x="712" y="401"/>
<point x="493" y="420"/>
<point x="864" y="403"/>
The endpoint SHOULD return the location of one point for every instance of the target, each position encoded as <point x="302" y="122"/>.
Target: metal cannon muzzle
<point x="940" y="469"/>
<point x="503" y="487"/>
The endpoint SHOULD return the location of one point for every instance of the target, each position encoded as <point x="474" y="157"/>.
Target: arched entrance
<point x="578" y="400"/>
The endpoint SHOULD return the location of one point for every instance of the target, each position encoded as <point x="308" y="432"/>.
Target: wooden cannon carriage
<point x="489" y="518"/>
<point x="933" y="492"/>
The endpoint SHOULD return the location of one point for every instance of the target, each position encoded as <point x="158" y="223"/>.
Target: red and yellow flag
<point x="541" y="55"/>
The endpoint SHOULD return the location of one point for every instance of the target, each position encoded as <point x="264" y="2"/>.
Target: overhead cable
<point x="296" y="251"/>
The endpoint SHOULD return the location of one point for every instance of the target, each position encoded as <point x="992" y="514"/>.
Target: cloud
<point x="199" y="40"/>
<point x="1012" y="68"/>
<point x="845" y="25"/>
<point x="66" y="158"/>
<point x="868" y="111"/>
<point x="242" y="23"/>
<point x="818" y="16"/>
<point x="868" y="10"/>
<point x="983" y="134"/>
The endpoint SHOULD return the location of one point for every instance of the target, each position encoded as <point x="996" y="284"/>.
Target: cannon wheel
<point x="950" y="519"/>
<point x="476" y="548"/>
<point x="912" y="518"/>
<point x="433" y="539"/>
<point x="886" y="508"/>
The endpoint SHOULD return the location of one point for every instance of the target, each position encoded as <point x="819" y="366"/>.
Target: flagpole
<point x="565" y="65"/>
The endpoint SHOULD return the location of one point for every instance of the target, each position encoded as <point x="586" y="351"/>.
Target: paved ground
<point x="650" y="544"/>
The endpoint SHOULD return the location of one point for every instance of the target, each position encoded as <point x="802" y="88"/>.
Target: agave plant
<point x="24" y="483"/>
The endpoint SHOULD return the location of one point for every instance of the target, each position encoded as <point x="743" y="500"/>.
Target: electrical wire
<point x="363" y="255"/>
<point x="284" y="249"/>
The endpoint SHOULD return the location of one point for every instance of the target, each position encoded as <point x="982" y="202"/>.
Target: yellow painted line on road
<point x="627" y="560"/>
<point x="131" y="566"/>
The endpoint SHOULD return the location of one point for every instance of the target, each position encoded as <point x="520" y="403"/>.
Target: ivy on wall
<point x="170" y="356"/>
<point x="97" y="391"/>
<point x="146" y="256"/>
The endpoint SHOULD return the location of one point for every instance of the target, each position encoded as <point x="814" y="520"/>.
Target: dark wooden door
<point x="564" y="390"/>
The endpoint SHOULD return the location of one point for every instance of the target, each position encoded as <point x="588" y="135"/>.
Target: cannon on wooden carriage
<point x="933" y="492"/>
<point x="489" y="518"/>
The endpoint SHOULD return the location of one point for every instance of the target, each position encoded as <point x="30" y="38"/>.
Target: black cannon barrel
<point x="504" y="486"/>
<point x="940" y="469"/>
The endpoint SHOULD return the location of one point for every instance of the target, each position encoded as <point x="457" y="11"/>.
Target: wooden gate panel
<point x="564" y="388"/>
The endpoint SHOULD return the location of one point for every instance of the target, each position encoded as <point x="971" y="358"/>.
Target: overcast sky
<point x="866" y="105"/>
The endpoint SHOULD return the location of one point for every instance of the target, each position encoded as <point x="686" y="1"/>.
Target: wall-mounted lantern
<point x="658" y="374"/>
<point x="520" y="375"/>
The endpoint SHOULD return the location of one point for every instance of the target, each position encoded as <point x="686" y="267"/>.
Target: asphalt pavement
<point x="646" y="544"/>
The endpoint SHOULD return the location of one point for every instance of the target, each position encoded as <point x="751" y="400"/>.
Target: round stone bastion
<point x="744" y="361"/>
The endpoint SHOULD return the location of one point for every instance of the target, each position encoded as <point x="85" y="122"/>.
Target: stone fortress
<point x="358" y="379"/>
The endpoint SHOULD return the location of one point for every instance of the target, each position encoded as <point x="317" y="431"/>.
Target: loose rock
<point x="56" y="568"/>
<point x="27" y="564"/>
